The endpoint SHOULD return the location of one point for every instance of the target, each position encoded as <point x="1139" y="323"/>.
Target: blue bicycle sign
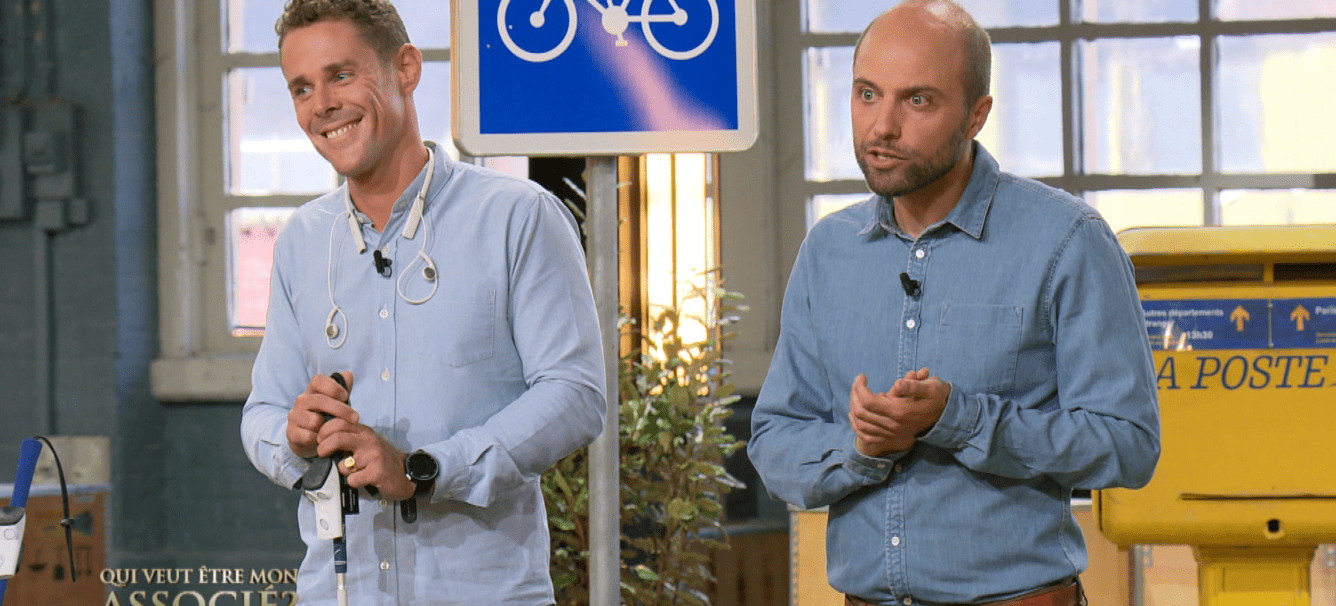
<point x="603" y="77"/>
<point x="528" y="20"/>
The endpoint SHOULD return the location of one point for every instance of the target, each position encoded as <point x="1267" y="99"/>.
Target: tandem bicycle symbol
<point x="616" y="20"/>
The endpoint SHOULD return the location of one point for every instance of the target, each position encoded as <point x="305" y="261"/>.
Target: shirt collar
<point x="969" y="213"/>
<point x="440" y="174"/>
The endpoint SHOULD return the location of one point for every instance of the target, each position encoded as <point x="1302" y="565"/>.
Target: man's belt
<point x="1067" y="595"/>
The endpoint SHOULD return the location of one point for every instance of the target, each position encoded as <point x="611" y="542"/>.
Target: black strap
<point x="67" y="522"/>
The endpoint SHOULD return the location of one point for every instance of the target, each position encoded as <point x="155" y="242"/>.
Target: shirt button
<point x="384" y="503"/>
<point x="919" y="254"/>
<point x="910" y="323"/>
<point x="899" y="468"/>
<point x="384" y="313"/>
<point x="385" y="375"/>
<point x="895" y="541"/>
<point x="384" y="564"/>
<point x="881" y="466"/>
<point x="909" y="601"/>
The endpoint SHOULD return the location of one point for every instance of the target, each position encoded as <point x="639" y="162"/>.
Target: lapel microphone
<point x="910" y="285"/>
<point x="382" y="263"/>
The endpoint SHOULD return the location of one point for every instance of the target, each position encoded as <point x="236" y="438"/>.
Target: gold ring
<point x="349" y="462"/>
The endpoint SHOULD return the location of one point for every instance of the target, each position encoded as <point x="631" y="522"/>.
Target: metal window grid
<point x="1068" y="33"/>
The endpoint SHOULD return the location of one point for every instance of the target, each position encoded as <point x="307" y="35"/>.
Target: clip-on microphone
<point x="911" y="286"/>
<point x="382" y="263"/>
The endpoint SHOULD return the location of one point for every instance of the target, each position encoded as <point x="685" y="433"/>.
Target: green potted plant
<point x="674" y="397"/>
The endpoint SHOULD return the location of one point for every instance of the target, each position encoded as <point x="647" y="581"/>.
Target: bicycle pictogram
<point x="658" y="25"/>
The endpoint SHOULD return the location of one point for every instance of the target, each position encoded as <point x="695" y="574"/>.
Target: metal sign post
<point x="604" y="476"/>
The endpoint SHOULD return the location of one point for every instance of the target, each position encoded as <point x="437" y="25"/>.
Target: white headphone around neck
<point x="335" y="335"/>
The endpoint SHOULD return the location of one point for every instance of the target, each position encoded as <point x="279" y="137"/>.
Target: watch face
<point x="421" y="466"/>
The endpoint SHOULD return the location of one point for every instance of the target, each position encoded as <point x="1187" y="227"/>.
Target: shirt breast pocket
<point x="464" y="330"/>
<point x="978" y="345"/>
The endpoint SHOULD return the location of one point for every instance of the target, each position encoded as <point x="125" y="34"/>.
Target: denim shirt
<point x="498" y="374"/>
<point x="1029" y="309"/>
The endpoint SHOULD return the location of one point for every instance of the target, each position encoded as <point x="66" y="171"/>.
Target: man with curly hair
<point x="472" y="376"/>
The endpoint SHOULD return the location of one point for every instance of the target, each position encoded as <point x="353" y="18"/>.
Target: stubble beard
<point x="918" y="172"/>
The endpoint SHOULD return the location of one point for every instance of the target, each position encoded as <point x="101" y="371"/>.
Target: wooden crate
<point x="754" y="571"/>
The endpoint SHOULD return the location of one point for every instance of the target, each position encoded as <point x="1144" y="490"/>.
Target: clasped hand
<point x="322" y="423"/>
<point x="888" y="423"/>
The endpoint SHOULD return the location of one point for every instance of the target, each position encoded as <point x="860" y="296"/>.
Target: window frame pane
<point x="1145" y="118"/>
<point x="1071" y="33"/>
<point x="1282" y="116"/>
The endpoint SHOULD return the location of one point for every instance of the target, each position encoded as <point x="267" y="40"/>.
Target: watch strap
<point x="423" y="488"/>
<point x="408" y="510"/>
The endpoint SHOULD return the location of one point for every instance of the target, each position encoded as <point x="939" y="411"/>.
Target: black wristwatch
<point x="421" y="469"/>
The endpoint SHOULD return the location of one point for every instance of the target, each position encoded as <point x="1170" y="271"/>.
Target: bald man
<point x="957" y="353"/>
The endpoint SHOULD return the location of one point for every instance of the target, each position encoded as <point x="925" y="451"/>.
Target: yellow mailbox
<point x="1242" y="321"/>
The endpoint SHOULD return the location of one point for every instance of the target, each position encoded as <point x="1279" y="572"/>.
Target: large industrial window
<point x="1158" y="112"/>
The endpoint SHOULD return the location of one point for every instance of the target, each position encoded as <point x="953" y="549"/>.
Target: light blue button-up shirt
<point x="1029" y="309"/>
<point x="498" y="375"/>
